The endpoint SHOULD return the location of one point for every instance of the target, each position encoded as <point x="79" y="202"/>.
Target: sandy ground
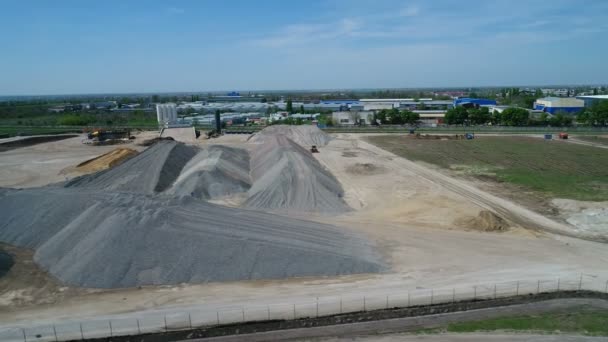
<point x="47" y="163"/>
<point x="408" y="213"/>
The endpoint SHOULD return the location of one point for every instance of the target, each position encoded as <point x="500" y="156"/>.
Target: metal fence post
<point x="111" y="331"/>
<point x="474" y="292"/>
<point x="453" y="294"/>
<point x="580" y="282"/>
<point x="432" y="294"/>
<point x="243" y="311"/>
<point x="294" y="311"/>
<point x="24" y="336"/>
<point x="218" y="317"/>
<point x="190" y="320"/>
<point x="364" y="306"/>
<point x="317" y="306"/>
<point x="517" y="289"/>
<point x="538" y="287"/>
<point x="558" y="281"/>
<point x="138" y="328"/>
<point x="55" y="332"/>
<point x="81" y="332"/>
<point x="494" y="291"/>
<point x="340" y="304"/>
<point x="606" y="290"/>
<point x="387" y="301"/>
<point x="166" y="323"/>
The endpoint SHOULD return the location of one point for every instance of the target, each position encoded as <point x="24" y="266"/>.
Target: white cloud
<point x="306" y="33"/>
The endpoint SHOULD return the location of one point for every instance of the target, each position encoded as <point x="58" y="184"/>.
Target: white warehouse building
<point x="166" y="113"/>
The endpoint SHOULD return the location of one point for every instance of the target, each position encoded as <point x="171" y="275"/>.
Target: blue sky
<point x="68" y="47"/>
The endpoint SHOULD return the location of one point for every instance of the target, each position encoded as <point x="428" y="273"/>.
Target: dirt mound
<point x="287" y="176"/>
<point x="85" y="237"/>
<point x="305" y="135"/>
<point x="34" y="140"/>
<point x="214" y="172"/>
<point x="487" y="221"/>
<point x="107" y="160"/>
<point x="150" y="142"/>
<point x="366" y="169"/>
<point x="153" y="170"/>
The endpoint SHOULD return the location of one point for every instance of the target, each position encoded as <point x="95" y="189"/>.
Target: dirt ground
<point x="53" y="162"/>
<point x="412" y="214"/>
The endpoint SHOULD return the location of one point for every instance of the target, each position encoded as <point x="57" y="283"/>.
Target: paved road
<point x="413" y="324"/>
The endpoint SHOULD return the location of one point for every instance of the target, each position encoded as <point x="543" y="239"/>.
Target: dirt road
<point x="505" y="208"/>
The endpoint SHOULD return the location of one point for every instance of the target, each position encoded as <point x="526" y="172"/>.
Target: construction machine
<point x="314" y="149"/>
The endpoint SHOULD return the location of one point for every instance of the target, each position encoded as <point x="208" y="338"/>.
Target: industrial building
<point x="166" y="113"/>
<point x="553" y="105"/>
<point x="590" y="100"/>
<point x="353" y="117"/>
<point x="471" y="102"/>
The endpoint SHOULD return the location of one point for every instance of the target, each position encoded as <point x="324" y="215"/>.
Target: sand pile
<point x="305" y="135"/>
<point x="287" y="176"/>
<point x="214" y="172"/>
<point x="107" y="160"/>
<point x="104" y="239"/>
<point x="488" y="221"/>
<point x="151" y="171"/>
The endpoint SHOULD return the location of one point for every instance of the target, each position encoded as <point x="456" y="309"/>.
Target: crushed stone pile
<point x="305" y="135"/>
<point x="214" y="172"/>
<point x="106" y="160"/>
<point x="152" y="171"/>
<point x="103" y="239"/>
<point x="287" y="176"/>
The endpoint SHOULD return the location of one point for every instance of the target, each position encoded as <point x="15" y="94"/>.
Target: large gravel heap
<point x="139" y="223"/>
<point x="305" y="135"/>
<point x="214" y="172"/>
<point x="106" y="239"/>
<point x="149" y="172"/>
<point x="287" y="176"/>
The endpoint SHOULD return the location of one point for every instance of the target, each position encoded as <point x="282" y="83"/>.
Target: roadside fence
<point x="158" y="321"/>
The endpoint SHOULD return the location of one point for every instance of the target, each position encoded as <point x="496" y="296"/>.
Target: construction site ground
<point x="416" y="214"/>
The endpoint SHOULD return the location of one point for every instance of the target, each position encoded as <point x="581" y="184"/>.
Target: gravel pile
<point x="105" y="239"/>
<point x="152" y="171"/>
<point x="287" y="176"/>
<point x="305" y="135"/>
<point x="214" y="172"/>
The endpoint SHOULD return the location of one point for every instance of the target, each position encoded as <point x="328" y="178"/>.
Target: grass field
<point x="587" y="322"/>
<point x="554" y="168"/>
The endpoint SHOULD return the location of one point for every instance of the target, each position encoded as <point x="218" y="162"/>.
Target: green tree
<point x="479" y="116"/>
<point x="289" y="107"/>
<point x="457" y="116"/>
<point x="515" y="117"/>
<point x="302" y="109"/>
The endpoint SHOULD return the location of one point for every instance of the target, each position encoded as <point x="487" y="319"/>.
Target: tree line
<point x="395" y="116"/>
<point x="512" y="116"/>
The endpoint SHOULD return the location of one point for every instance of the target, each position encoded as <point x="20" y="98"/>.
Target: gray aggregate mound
<point x="305" y="135"/>
<point x="6" y="263"/>
<point x="153" y="170"/>
<point x="214" y="172"/>
<point x="287" y="176"/>
<point x="100" y="239"/>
